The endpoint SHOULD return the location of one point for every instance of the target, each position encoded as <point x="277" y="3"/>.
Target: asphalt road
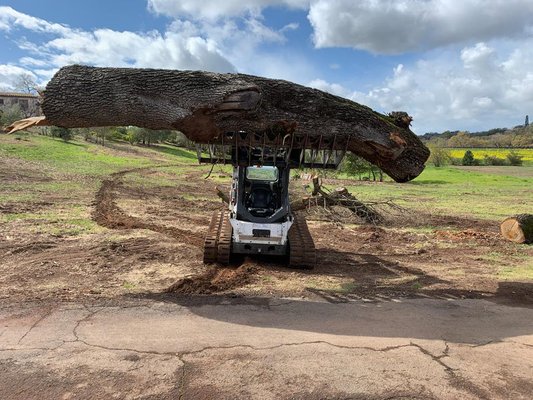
<point x="258" y="348"/>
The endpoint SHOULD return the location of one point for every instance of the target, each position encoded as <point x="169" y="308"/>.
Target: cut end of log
<point x="518" y="229"/>
<point x="26" y="124"/>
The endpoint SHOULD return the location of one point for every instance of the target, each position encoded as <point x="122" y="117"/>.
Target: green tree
<point x="468" y="158"/>
<point x="439" y="156"/>
<point x="148" y="136"/>
<point x="355" y="165"/>
<point x="462" y="139"/>
<point x="179" y="139"/>
<point x="63" y="133"/>
<point x="118" y="133"/>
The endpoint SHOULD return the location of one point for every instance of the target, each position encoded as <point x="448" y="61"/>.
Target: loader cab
<point x="260" y="193"/>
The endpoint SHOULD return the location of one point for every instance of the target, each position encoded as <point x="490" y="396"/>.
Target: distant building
<point x="29" y="103"/>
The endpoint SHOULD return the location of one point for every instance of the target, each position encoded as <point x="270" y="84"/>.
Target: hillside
<point x="519" y="137"/>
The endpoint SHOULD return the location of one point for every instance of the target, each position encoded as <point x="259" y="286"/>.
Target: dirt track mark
<point x="215" y="280"/>
<point x="109" y="215"/>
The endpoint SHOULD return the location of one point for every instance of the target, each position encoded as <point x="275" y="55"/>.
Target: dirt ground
<point x="149" y="240"/>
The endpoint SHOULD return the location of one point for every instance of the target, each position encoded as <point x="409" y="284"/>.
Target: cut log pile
<point x="206" y="106"/>
<point x="518" y="229"/>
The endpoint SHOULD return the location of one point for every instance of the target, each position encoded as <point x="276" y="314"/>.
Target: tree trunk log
<point x="518" y="229"/>
<point x="205" y="106"/>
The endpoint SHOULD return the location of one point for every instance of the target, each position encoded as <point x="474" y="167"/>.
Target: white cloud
<point x="10" y="18"/>
<point x="240" y="40"/>
<point x="220" y="46"/>
<point x="215" y="9"/>
<point x="289" y="66"/>
<point x="181" y="47"/>
<point x="33" y="62"/>
<point x="333" y="88"/>
<point x="105" y="47"/>
<point x="290" y="27"/>
<point x="10" y="74"/>
<point x="397" y="26"/>
<point x="479" y="87"/>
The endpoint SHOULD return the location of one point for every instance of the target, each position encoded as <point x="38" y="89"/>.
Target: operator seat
<point x="260" y="198"/>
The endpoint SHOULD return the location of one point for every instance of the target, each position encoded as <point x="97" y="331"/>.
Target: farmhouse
<point x="29" y="103"/>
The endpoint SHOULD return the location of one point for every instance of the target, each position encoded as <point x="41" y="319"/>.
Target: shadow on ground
<point x="470" y="321"/>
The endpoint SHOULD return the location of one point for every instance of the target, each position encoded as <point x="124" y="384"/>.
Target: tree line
<point x="517" y="137"/>
<point x="131" y="134"/>
<point x="441" y="156"/>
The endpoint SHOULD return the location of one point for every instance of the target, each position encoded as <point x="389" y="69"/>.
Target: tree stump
<point x="518" y="229"/>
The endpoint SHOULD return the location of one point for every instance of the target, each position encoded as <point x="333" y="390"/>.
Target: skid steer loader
<point x="258" y="219"/>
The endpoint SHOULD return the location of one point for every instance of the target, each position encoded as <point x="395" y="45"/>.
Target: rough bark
<point x="518" y="228"/>
<point x="205" y="106"/>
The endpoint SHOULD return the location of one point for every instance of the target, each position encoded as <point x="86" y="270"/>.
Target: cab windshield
<point x="265" y="174"/>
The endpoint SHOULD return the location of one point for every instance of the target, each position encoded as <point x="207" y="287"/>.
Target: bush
<point x="131" y="137"/>
<point x="514" y="159"/>
<point x="456" y="161"/>
<point x="87" y="134"/>
<point x="325" y="173"/>
<point x="10" y="114"/>
<point x="179" y="139"/>
<point x="118" y="133"/>
<point x="439" y="156"/>
<point x="468" y="158"/>
<point x="62" y="133"/>
<point x="492" y="160"/>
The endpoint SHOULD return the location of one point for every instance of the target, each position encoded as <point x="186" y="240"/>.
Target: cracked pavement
<point x="242" y="348"/>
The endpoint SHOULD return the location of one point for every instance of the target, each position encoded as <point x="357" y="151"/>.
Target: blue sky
<point x="457" y="65"/>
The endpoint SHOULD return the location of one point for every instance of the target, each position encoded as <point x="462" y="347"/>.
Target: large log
<point x="518" y="228"/>
<point x="205" y="105"/>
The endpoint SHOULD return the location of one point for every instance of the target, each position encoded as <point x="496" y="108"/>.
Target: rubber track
<point x="302" y="248"/>
<point x="212" y="237"/>
<point x="224" y="240"/>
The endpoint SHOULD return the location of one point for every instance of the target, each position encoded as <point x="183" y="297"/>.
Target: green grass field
<point x="48" y="188"/>
<point x="77" y="168"/>
<point x="67" y="175"/>
<point x="83" y="158"/>
<point x="492" y="194"/>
